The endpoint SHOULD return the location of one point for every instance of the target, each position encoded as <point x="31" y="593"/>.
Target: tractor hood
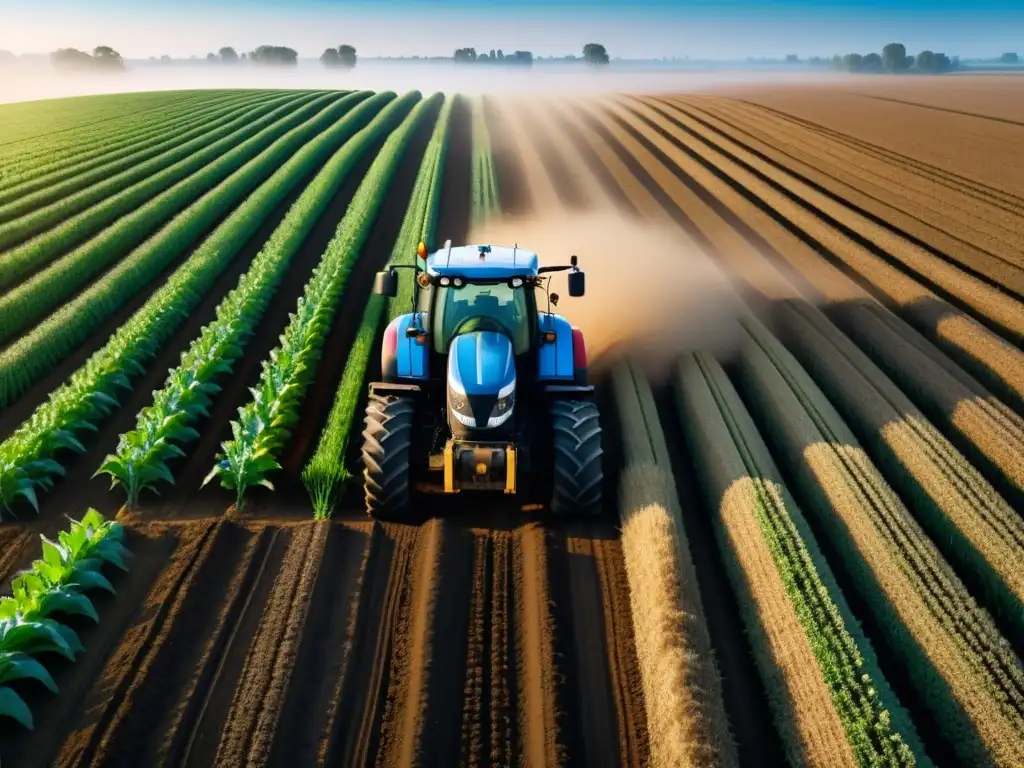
<point x="481" y="379"/>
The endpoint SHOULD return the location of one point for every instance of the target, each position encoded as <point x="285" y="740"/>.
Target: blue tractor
<point x="481" y="388"/>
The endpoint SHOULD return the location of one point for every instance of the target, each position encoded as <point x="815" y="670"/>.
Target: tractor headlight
<point x="504" y="406"/>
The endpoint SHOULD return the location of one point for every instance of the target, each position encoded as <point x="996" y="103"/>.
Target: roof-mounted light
<point x="458" y="282"/>
<point x="517" y="282"/>
<point x="445" y="281"/>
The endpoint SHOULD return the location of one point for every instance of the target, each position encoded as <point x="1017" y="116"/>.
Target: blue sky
<point x="725" y="29"/>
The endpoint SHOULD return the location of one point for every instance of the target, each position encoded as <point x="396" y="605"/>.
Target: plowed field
<point x="838" y="494"/>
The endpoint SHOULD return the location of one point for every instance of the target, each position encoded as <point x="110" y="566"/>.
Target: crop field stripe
<point x="953" y="180"/>
<point x="265" y="423"/>
<point x="975" y="235"/>
<point x="976" y="529"/>
<point x="987" y="431"/>
<point x="136" y="105"/>
<point x="38" y="182"/>
<point x="163" y="216"/>
<point x="139" y="460"/>
<point x="325" y="472"/>
<point x="486" y="200"/>
<point x="987" y="298"/>
<point x="765" y="540"/>
<point x="990" y="357"/>
<point x="983" y="427"/>
<point x="685" y="711"/>
<point x="55" y="158"/>
<point x="114" y="172"/>
<point x="951" y="647"/>
<point x="87" y="397"/>
<point x="136" y="211"/>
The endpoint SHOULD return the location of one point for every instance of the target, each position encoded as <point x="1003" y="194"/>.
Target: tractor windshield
<point x="482" y="305"/>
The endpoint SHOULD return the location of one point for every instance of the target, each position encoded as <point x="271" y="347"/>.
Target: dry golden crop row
<point x="984" y="427"/>
<point x="952" y="224"/>
<point x="822" y="217"/>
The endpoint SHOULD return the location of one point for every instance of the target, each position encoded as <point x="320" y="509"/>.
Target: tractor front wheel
<point x="578" y="473"/>
<point x="387" y="440"/>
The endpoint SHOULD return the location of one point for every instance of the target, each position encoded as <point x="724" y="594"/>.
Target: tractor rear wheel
<point x="578" y="474"/>
<point x="387" y="441"/>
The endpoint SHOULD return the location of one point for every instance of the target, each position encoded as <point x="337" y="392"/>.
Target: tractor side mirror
<point x="577" y="284"/>
<point x="386" y="283"/>
<point x="554" y="299"/>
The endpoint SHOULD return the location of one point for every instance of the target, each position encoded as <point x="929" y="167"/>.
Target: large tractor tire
<point x="387" y="441"/>
<point x="578" y="473"/>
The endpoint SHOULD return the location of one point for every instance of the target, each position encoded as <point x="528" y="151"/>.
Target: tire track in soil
<point x="376" y="251"/>
<point x="145" y="724"/>
<point x="316" y="679"/>
<point x="256" y="708"/>
<point x="129" y="621"/>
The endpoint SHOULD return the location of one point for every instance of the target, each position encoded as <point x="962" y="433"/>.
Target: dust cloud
<point x="651" y="293"/>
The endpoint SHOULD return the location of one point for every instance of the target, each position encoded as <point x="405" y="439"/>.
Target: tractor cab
<point x="485" y="369"/>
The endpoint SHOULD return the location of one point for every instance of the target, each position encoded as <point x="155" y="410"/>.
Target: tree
<point x="872" y="63"/>
<point x="228" y="55"/>
<point x="211" y="58"/>
<point x="1009" y="58"/>
<point x="895" y="58"/>
<point x="792" y="58"/>
<point x="522" y="58"/>
<point x="927" y="61"/>
<point x="595" y="53"/>
<point x="275" y="55"/>
<point x="329" y="58"/>
<point x="463" y="55"/>
<point x="853" y="62"/>
<point x="347" y="56"/>
<point x="165" y="59"/>
<point x="107" y="57"/>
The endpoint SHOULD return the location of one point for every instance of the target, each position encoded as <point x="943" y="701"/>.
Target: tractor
<point x="481" y="390"/>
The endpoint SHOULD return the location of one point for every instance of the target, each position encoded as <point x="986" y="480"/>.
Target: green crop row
<point x="55" y="586"/>
<point x="88" y="396"/>
<point x="34" y="128"/>
<point x="142" y="207"/>
<point x="485" y="200"/>
<point x="115" y="171"/>
<point x="140" y="460"/>
<point x="29" y="176"/>
<point x="265" y="423"/>
<point x="325" y="473"/>
<point x="109" y="137"/>
<point x="56" y="336"/>
<point x="964" y="671"/>
<point x="760" y="528"/>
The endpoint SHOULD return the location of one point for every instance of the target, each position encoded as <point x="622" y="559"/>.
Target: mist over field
<point x="40" y="81"/>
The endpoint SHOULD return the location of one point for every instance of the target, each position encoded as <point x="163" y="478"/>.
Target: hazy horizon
<point x="631" y="29"/>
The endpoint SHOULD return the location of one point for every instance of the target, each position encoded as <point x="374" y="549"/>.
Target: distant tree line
<point x="343" y="56"/>
<point x="593" y="53"/>
<point x="103" y="57"/>
<point x="894" y="59"/>
<point x="518" y="58"/>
